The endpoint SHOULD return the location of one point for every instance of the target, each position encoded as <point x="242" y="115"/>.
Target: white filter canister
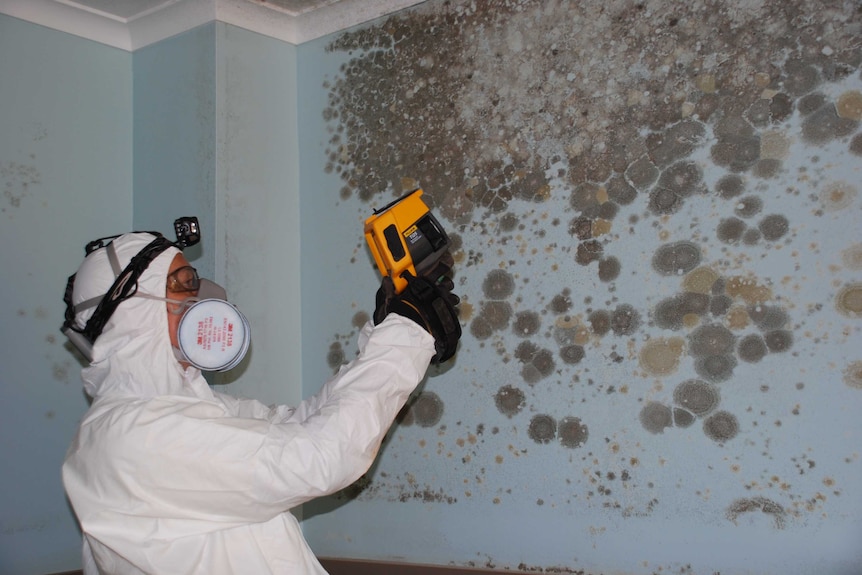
<point x="214" y="335"/>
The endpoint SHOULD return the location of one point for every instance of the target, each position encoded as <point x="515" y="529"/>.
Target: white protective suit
<point x="167" y="476"/>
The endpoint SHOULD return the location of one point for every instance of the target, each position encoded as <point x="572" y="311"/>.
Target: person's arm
<point x="185" y="460"/>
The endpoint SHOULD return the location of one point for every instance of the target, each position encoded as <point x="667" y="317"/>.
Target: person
<point x="166" y="475"/>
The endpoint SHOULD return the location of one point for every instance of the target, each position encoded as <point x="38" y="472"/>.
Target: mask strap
<point x="181" y="304"/>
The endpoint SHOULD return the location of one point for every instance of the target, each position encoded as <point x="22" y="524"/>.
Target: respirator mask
<point x="213" y="335"/>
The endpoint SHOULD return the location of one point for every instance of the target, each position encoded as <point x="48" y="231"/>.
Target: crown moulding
<point x="160" y="19"/>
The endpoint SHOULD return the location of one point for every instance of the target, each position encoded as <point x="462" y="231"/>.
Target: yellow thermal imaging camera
<point x="404" y="236"/>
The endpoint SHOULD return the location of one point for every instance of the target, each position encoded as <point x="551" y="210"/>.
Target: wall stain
<point x="616" y="221"/>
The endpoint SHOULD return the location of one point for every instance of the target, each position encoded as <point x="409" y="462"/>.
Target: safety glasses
<point x="184" y="280"/>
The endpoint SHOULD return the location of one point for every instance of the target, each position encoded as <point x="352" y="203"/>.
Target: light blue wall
<point x="174" y="138"/>
<point x="528" y="124"/>
<point x="65" y="179"/>
<point x="257" y="208"/>
<point x="213" y="126"/>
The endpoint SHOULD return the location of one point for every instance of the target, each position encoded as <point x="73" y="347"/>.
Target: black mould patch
<point x="696" y="396"/>
<point x="609" y="269"/>
<point x="752" y="348"/>
<point x="335" y="358"/>
<point x="774" y="227"/>
<point x="427" y="409"/>
<point x="572" y="432"/>
<point x="713" y="339"/>
<point x="676" y="258"/>
<point x="721" y="426"/>
<point x="600" y="322"/>
<point x="715" y="368"/>
<point x="526" y="323"/>
<point x="542" y="429"/>
<point x="498" y="284"/>
<point x="538" y="363"/>
<point x="509" y="400"/>
<point x="655" y="417"/>
<point x="572" y="354"/>
<point x="625" y="320"/>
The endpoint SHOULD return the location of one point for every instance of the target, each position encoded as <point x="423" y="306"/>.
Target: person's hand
<point x="430" y="304"/>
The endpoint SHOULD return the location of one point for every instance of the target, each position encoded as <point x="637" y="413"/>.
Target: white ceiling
<point x="132" y="24"/>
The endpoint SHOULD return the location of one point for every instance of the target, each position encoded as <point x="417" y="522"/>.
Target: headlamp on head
<point x="125" y="282"/>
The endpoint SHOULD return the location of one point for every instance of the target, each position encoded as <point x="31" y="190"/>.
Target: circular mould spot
<point x="620" y="191"/>
<point x="736" y="152"/>
<point x="774" y="227"/>
<point x="760" y="505"/>
<point x="509" y="400"/>
<point x="480" y="328"/>
<point x="838" y="196"/>
<point x="655" y="417"/>
<point x="700" y="280"/>
<point x="849" y="105"/>
<point x="730" y="230"/>
<point x="852" y="257"/>
<point x="642" y="173"/>
<point x="335" y="357"/>
<point x="849" y="300"/>
<point x="668" y="313"/>
<point x="609" y="269"/>
<point x="542" y="429"/>
<point x="856" y="145"/>
<point x="572" y="432"/>
<point x="538" y="362"/>
<point x="715" y="368"/>
<point x="811" y="103"/>
<point x="720" y="305"/>
<point x="752" y="348"/>
<point x="427" y="409"/>
<point x="360" y="318"/>
<point x="853" y="375"/>
<point x="508" y="222"/>
<point x="600" y="322"/>
<point x="526" y="323"/>
<point x="561" y="303"/>
<point x="778" y="340"/>
<point x="713" y="339"/>
<point x="767" y="317"/>
<point x="625" y="320"/>
<point x="588" y="251"/>
<point x="498" y="285"/>
<point x="721" y="426"/>
<point x="496" y="313"/>
<point x="748" y="206"/>
<point x="826" y="125"/>
<point x="767" y="168"/>
<point x="660" y="356"/>
<point x="751" y="237"/>
<point x="682" y="418"/>
<point x="664" y="200"/>
<point x="572" y="354"/>
<point x="682" y="178"/>
<point x="730" y="186"/>
<point x="676" y="258"/>
<point x="696" y="396"/>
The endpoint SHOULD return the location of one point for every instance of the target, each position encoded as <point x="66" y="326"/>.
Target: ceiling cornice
<point x="176" y="16"/>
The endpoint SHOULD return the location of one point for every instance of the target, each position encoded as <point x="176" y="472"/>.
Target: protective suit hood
<point x="133" y="356"/>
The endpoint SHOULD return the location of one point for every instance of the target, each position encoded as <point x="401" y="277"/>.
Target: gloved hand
<point x="430" y="304"/>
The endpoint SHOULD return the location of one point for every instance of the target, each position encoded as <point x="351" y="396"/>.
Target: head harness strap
<point x="125" y="285"/>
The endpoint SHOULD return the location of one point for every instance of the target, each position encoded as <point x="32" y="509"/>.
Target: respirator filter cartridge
<point x="214" y="335"/>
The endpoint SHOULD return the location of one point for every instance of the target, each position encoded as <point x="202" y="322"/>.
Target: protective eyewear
<point x="184" y="280"/>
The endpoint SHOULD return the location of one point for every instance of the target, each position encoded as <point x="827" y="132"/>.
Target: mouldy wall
<point x="656" y="216"/>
